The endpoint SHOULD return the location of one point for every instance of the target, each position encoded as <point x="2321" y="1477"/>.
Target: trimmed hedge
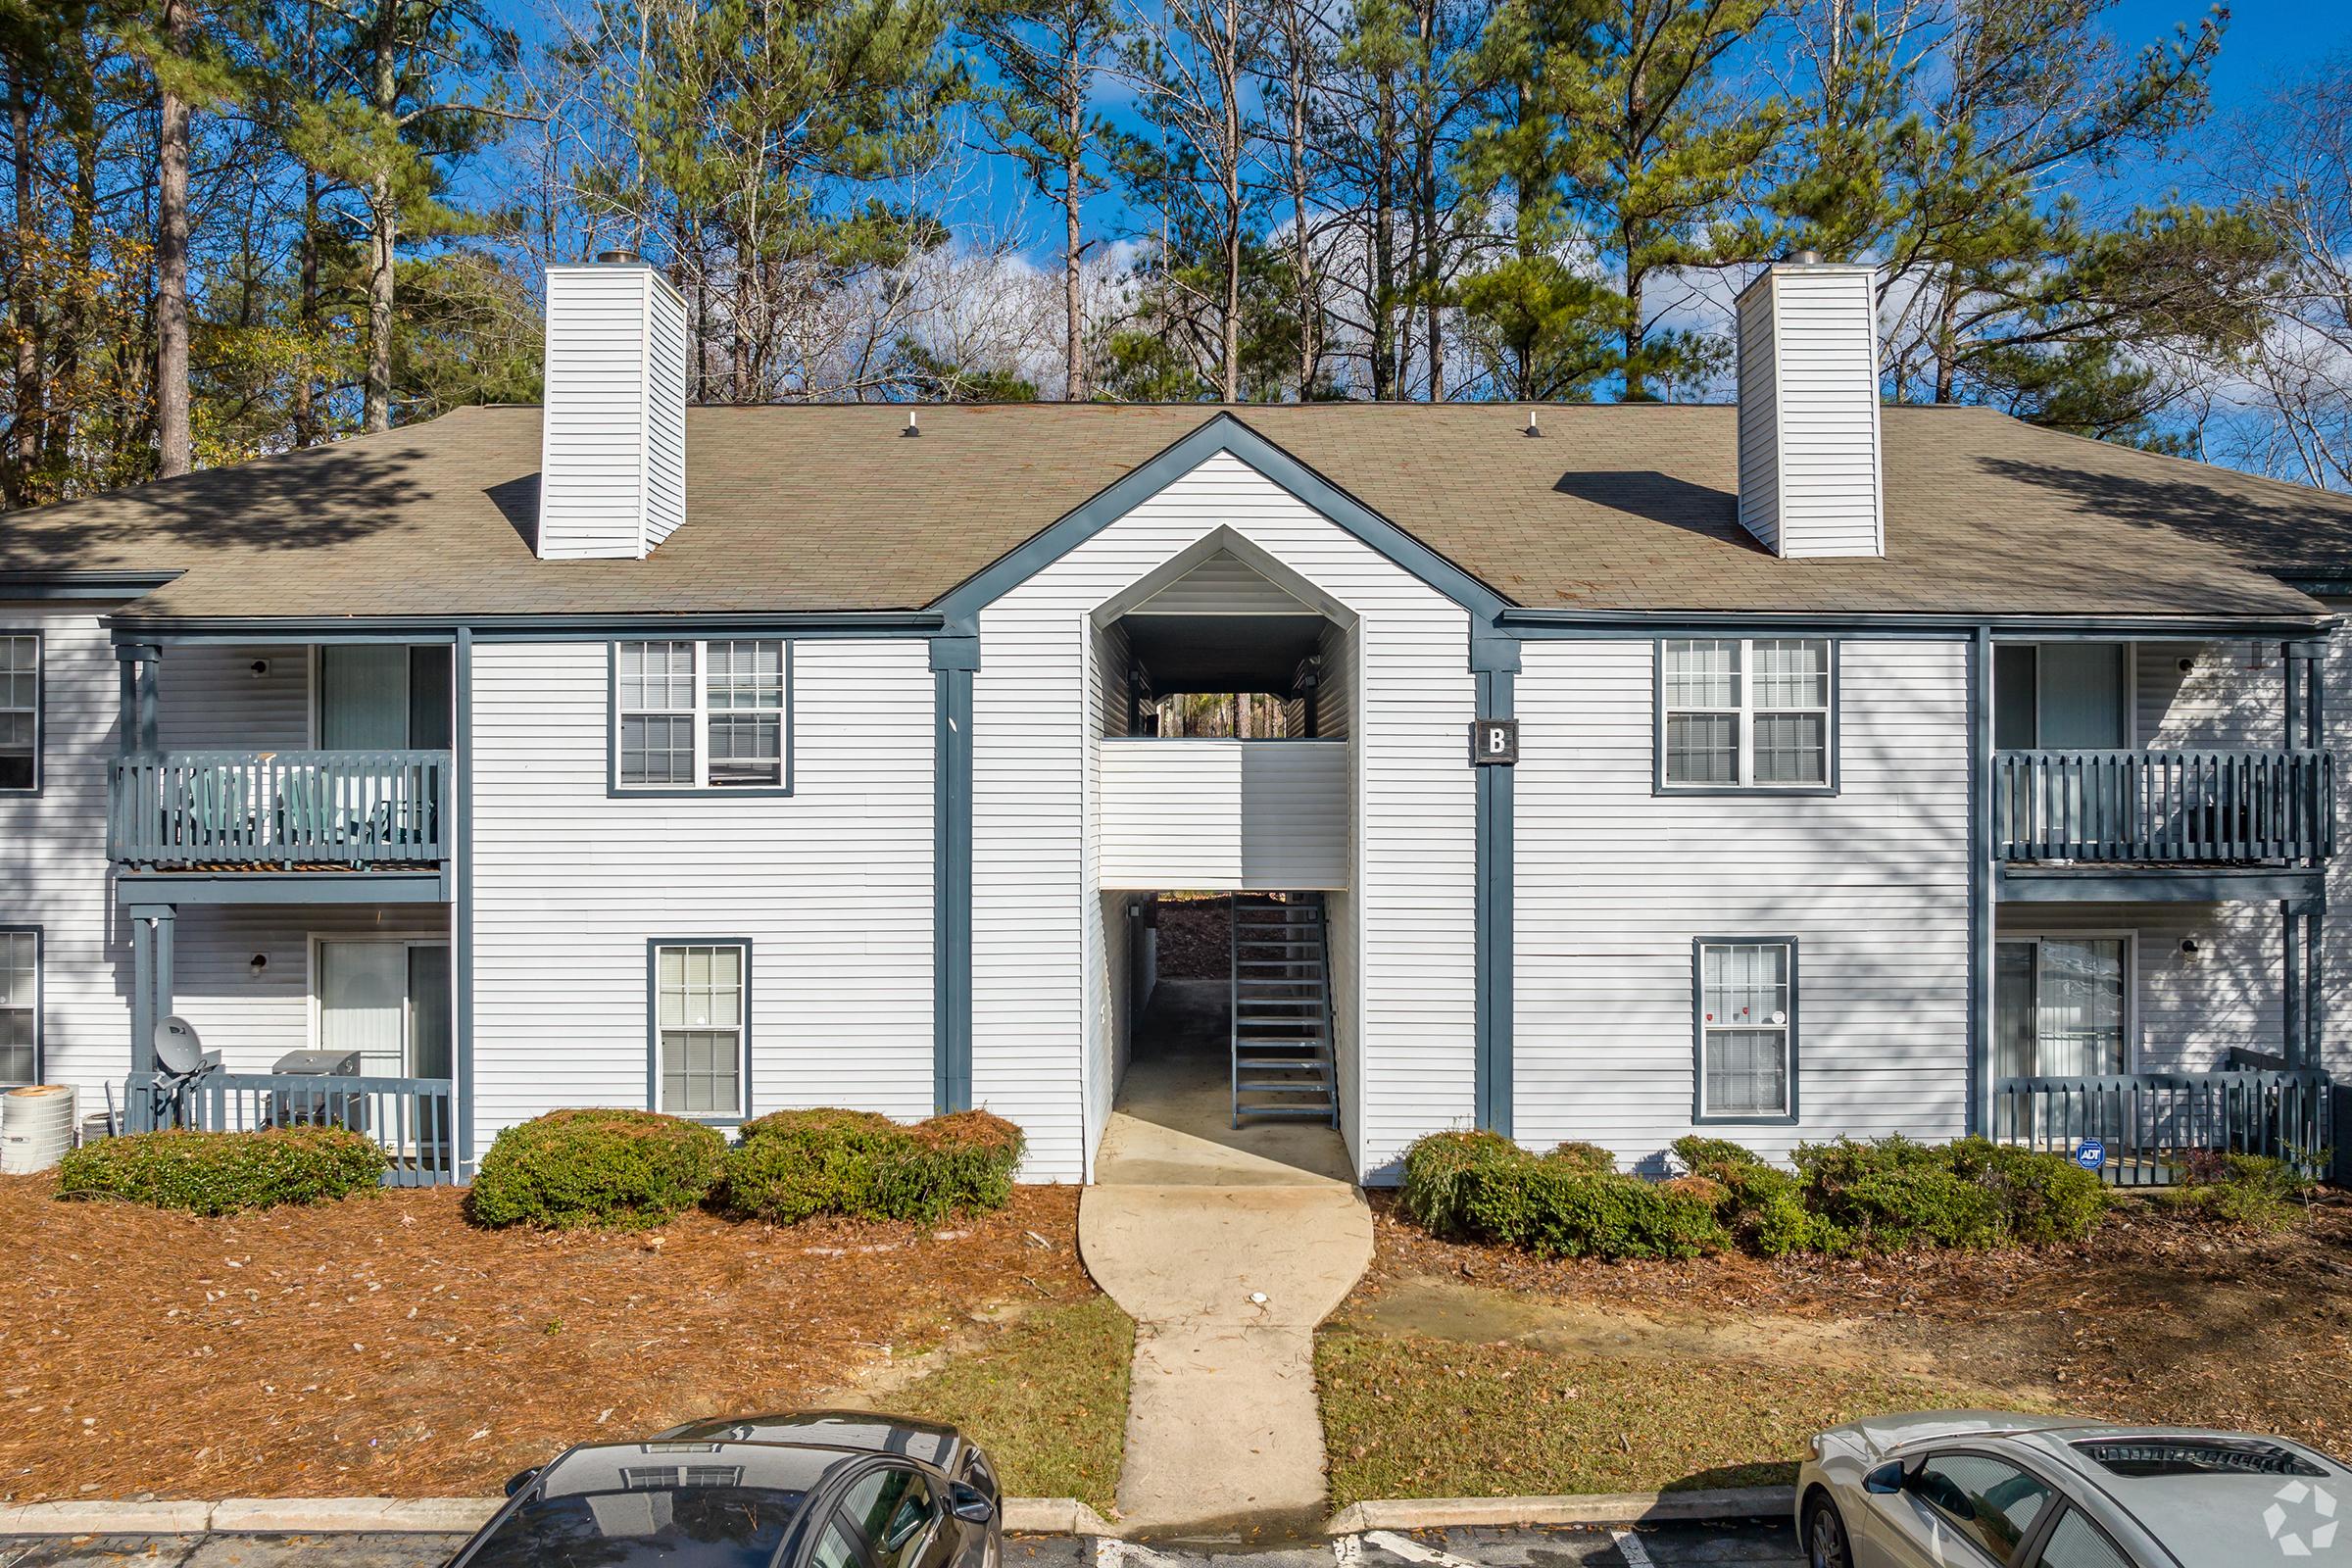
<point x="798" y="1163"/>
<point x="618" y="1169"/>
<point x="224" y="1173"/>
<point x="1843" y="1197"/>
<point x="2252" y="1191"/>
<point x="1478" y="1186"/>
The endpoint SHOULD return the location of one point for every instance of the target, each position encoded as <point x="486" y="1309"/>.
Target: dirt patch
<point x="382" y="1346"/>
<point x="2159" y="1318"/>
<point x="1196" y="937"/>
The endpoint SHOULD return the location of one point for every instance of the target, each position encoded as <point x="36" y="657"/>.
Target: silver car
<point x="1989" y="1489"/>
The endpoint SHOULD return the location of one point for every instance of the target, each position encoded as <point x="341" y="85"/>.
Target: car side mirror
<point x="970" y="1504"/>
<point x="522" y="1479"/>
<point x="1886" y="1479"/>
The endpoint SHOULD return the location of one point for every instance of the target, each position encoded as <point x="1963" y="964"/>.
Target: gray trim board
<point x="1225" y="433"/>
<point x="2160" y="885"/>
<point x="422" y="886"/>
<point x="1495" y="938"/>
<point x="653" y="1025"/>
<point x="460" y="921"/>
<point x="40" y="711"/>
<point x="40" y="994"/>
<point x="1983" y="873"/>
<point x="1659" y="787"/>
<point x="616" y="790"/>
<point x="1698" y="1031"/>
<point x="1541" y="624"/>
<point x="952" y="661"/>
<point x="557" y="625"/>
<point x="82" y="585"/>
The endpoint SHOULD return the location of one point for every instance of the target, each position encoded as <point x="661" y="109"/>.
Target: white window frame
<point x="703" y="714"/>
<point x="40" y="677"/>
<point x="1701" y="1113"/>
<point x="1743" y="712"/>
<point x="2128" y="937"/>
<point x="40" y="978"/>
<point x="654" y="948"/>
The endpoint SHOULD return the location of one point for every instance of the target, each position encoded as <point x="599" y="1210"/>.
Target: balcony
<point x="1266" y="816"/>
<point x="2201" y="809"/>
<point x="285" y="811"/>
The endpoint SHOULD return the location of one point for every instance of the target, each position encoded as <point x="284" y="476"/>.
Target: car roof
<point x="931" y="1443"/>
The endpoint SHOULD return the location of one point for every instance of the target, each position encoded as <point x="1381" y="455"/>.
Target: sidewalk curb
<point x="1054" y="1516"/>
<point x="1591" y="1508"/>
<point x="453" y="1517"/>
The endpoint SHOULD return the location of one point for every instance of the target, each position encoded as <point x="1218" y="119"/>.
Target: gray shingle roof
<point x="816" y="508"/>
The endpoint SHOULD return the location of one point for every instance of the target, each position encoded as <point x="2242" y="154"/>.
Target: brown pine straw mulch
<point x="2159" y="1318"/>
<point x="382" y="1346"/>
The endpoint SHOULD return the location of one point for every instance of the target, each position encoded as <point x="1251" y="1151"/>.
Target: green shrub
<point x="2252" y="1191"/>
<point x="624" y="1169"/>
<point x="1697" y="1152"/>
<point x="1591" y="1158"/>
<point x="795" y="1164"/>
<point x="1480" y="1186"/>
<point x="1439" y="1172"/>
<point x="1844" y="1161"/>
<point x="962" y="1162"/>
<point x="2047" y="1198"/>
<point x="1782" y="1224"/>
<point x="1912" y="1204"/>
<point x="222" y="1173"/>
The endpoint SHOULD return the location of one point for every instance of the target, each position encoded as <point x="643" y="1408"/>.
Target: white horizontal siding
<point x="2233" y="695"/>
<point x="612" y="452"/>
<point x="214" y="698"/>
<point x="831" y="885"/>
<point x="1222" y="585"/>
<point x="53" y="868"/>
<point x="1224" y="814"/>
<point x="1036" y="917"/>
<point x="1820" y="371"/>
<point x="2335" y="990"/>
<point x="253" y="1019"/>
<point x="1614" y="883"/>
<point x="2190" y="1012"/>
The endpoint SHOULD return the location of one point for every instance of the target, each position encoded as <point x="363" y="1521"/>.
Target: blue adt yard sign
<point x="2090" y="1153"/>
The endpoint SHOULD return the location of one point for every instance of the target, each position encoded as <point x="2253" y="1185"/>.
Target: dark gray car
<point x="809" y="1489"/>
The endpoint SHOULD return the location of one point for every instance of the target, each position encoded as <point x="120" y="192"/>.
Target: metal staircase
<point x="1282" y="1033"/>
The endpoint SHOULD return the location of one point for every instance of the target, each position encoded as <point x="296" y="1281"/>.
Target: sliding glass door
<point x="389" y="1003"/>
<point x="2061" y="1007"/>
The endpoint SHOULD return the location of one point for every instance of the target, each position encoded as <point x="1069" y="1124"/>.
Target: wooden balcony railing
<point x="2166" y="808"/>
<point x="2150" y="1124"/>
<point x="281" y="809"/>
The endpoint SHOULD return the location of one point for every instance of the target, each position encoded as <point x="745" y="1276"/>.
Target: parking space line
<point x="1412" y="1550"/>
<point x="1629" y="1547"/>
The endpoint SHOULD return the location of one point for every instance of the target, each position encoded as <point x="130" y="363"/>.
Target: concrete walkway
<point x="1227" y="1248"/>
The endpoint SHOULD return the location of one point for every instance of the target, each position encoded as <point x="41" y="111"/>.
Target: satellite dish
<point x="177" y="1046"/>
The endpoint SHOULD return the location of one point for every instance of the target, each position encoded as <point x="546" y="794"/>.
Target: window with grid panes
<point x="700" y="1028"/>
<point x="1746" y="1029"/>
<point x="700" y="714"/>
<point x="1744" y="713"/>
<point x="20" y="712"/>
<point x="20" y="1007"/>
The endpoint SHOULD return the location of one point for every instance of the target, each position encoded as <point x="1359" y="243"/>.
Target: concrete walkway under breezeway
<point x="1227" y="1247"/>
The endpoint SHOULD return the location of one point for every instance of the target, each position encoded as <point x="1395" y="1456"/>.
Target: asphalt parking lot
<point x="1744" y="1545"/>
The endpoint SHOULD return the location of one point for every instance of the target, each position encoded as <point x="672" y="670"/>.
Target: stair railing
<point x="1233" y="996"/>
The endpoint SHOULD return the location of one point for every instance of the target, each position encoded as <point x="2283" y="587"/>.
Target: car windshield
<point x="2157" y="1459"/>
<point x="681" y="1504"/>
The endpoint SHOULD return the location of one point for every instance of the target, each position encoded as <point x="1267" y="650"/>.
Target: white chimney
<point x="612" y="427"/>
<point x="1809" y="410"/>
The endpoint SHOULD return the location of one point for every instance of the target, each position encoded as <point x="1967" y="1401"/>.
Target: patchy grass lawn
<point x="1466" y="1371"/>
<point x="382" y="1346"/>
<point x="1046" y="1393"/>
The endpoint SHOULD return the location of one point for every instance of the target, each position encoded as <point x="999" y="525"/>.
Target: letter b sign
<point x="1494" y="742"/>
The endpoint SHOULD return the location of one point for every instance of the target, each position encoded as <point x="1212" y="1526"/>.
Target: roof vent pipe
<point x="616" y="258"/>
<point x="1808" y="374"/>
<point x="913" y="428"/>
<point x="1533" y="428"/>
<point x="612" y="425"/>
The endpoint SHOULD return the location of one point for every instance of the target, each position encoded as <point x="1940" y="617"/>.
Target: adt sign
<point x="2090" y="1153"/>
